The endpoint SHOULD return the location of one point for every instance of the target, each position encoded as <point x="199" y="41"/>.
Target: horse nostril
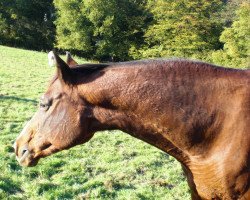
<point x="23" y="151"/>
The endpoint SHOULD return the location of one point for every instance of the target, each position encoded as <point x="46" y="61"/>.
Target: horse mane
<point x="172" y="62"/>
<point x="90" y="67"/>
<point x="179" y="64"/>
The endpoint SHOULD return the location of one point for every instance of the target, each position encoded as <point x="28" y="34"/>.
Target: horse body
<point x="194" y="111"/>
<point x="200" y="119"/>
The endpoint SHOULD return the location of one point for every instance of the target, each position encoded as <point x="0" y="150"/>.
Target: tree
<point x="100" y="29"/>
<point x="227" y="15"/>
<point x="27" y="23"/>
<point x="236" y="41"/>
<point x="182" y="28"/>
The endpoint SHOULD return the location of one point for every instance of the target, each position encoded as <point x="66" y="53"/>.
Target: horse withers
<point x="196" y="112"/>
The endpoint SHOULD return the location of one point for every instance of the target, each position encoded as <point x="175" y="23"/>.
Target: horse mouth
<point x="27" y="160"/>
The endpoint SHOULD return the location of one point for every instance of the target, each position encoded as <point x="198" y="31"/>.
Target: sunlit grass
<point x="112" y="165"/>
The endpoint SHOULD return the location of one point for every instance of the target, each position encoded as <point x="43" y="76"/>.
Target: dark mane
<point x="179" y="64"/>
<point x="173" y="62"/>
<point x="90" y="68"/>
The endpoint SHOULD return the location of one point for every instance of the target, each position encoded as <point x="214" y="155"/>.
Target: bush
<point x="236" y="41"/>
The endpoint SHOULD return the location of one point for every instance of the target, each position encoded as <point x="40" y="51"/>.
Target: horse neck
<point x="169" y="109"/>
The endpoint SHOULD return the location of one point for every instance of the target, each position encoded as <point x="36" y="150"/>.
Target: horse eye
<point x="45" y="106"/>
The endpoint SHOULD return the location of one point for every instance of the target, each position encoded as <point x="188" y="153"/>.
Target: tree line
<point x="216" y="31"/>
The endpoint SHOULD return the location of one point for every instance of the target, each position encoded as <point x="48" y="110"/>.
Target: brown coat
<point x="194" y="111"/>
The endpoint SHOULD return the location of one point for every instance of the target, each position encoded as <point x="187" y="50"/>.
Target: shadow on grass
<point x="45" y="187"/>
<point x="5" y="97"/>
<point x="9" y="186"/>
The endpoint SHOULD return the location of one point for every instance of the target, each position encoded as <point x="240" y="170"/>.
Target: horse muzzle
<point x="25" y="157"/>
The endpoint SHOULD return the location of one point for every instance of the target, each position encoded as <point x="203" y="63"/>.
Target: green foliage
<point x="116" y="30"/>
<point x="112" y="165"/>
<point x="100" y="29"/>
<point x="27" y="23"/>
<point x="236" y="51"/>
<point x="182" y="28"/>
<point x="227" y="15"/>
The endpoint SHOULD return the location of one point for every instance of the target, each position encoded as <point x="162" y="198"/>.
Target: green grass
<point x="112" y="165"/>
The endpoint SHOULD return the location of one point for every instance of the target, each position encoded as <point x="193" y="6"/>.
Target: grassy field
<point x="112" y="165"/>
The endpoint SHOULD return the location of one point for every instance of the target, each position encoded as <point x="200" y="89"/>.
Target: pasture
<point x="113" y="165"/>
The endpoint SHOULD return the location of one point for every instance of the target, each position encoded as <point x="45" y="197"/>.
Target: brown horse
<point x="194" y="111"/>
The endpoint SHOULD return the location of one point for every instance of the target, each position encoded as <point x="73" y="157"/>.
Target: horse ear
<point x="69" y="60"/>
<point x="63" y="70"/>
